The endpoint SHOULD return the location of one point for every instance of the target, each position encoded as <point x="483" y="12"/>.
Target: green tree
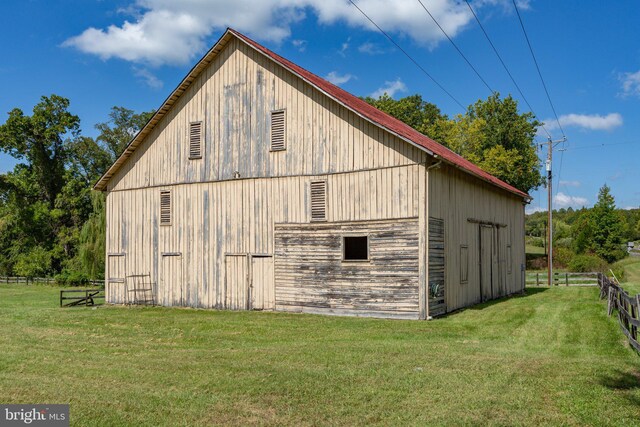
<point x="608" y="227"/>
<point x="42" y="141"/>
<point x="412" y="110"/>
<point x="496" y="137"/>
<point x="92" y="239"/>
<point x="122" y="126"/>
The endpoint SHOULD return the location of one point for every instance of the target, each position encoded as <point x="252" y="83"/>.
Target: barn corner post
<point x="423" y="225"/>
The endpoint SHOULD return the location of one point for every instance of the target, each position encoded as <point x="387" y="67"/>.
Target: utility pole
<point x="550" y="214"/>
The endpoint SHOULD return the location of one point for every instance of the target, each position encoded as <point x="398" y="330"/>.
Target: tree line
<point x="51" y="222"/>
<point x="586" y="239"/>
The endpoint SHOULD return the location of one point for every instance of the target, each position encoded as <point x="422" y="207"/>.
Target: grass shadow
<point x="624" y="382"/>
<point x="528" y="292"/>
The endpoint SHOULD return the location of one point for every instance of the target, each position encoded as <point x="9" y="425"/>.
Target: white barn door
<point x="236" y="281"/>
<point x="171" y="292"/>
<point x="116" y="278"/>
<point x="262" y="285"/>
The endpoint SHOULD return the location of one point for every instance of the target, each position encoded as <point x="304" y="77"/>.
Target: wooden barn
<point x="258" y="185"/>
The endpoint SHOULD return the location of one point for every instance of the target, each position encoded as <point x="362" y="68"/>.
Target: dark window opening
<point x="356" y="248"/>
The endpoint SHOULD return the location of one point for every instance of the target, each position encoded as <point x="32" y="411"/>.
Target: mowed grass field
<point x="549" y="357"/>
<point x="631" y="281"/>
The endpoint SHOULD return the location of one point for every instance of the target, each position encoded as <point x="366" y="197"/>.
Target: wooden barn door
<point x="236" y="281"/>
<point x="437" y="302"/>
<point x="116" y="278"/>
<point x="172" y="291"/>
<point x="488" y="268"/>
<point x="262" y="285"/>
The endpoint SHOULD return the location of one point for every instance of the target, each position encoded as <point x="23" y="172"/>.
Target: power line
<point x="560" y="169"/>
<point x="605" y="145"/>
<point x="537" y="67"/>
<point x="456" y="46"/>
<point x="408" y="56"/>
<point x="504" y="65"/>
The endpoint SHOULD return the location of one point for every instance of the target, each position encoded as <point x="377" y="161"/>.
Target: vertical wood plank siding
<point x="455" y="197"/>
<point x="227" y="203"/>
<point x="312" y="277"/>
<point x="214" y="219"/>
<point x="234" y="98"/>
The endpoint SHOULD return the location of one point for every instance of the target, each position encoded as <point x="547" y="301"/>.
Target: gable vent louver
<point x="277" y="131"/>
<point x="195" y="140"/>
<point x="165" y="208"/>
<point x="318" y="201"/>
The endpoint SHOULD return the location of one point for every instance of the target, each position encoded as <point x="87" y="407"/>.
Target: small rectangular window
<point x="195" y="140"/>
<point x="165" y="207"/>
<point x="464" y="263"/>
<point x="277" y="130"/>
<point x="355" y="248"/>
<point x="318" y="200"/>
<point x="509" y="260"/>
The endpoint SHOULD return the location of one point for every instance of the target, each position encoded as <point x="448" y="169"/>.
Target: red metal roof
<point x="382" y="119"/>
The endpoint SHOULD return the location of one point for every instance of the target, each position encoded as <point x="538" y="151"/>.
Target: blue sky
<point x="132" y="53"/>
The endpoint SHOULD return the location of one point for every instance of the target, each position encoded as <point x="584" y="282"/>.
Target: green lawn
<point x="530" y="249"/>
<point x="631" y="281"/>
<point x="550" y="357"/>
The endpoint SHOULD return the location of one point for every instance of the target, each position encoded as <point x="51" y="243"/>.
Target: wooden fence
<point x="627" y="306"/>
<point x="563" y="279"/>
<point x="41" y="280"/>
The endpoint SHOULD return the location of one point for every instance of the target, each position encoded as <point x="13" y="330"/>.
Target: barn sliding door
<point x="262" y="285"/>
<point x="487" y="262"/>
<point x="437" y="302"/>
<point x="172" y="289"/>
<point x="116" y="278"/>
<point x="236" y="281"/>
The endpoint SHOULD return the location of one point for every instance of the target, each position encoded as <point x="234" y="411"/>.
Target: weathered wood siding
<point x="311" y="275"/>
<point x="455" y="197"/>
<point x="214" y="219"/>
<point x="227" y="203"/>
<point x="234" y="98"/>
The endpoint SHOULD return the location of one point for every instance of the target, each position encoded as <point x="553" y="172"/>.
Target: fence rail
<point x="42" y="280"/>
<point x="563" y="279"/>
<point x="627" y="306"/>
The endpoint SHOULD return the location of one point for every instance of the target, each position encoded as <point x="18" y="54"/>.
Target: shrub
<point x="587" y="263"/>
<point x="71" y="278"/>
<point x="565" y="242"/>
<point x="535" y="241"/>
<point x="536" y="261"/>
<point x="562" y="256"/>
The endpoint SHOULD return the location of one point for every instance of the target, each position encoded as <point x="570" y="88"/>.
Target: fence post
<point x="537" y="279"/>
<point x="566" y="279"/>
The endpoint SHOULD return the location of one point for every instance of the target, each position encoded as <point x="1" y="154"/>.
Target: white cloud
<point x="338" y="79"/>
<point x="533" y="209"/>
<point x="146" y="76"/>
<point x="630" y="84"/>
<point x="390" y="88"/>
<point x="370" y="48"/>
<point x="587" y="121"/>
<point x="174" y="32"/>
<point x="570" y="183"/>
<point x="562" y="200"/>
<point x="345" y="46"/>
<point x="301" y="45"/>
